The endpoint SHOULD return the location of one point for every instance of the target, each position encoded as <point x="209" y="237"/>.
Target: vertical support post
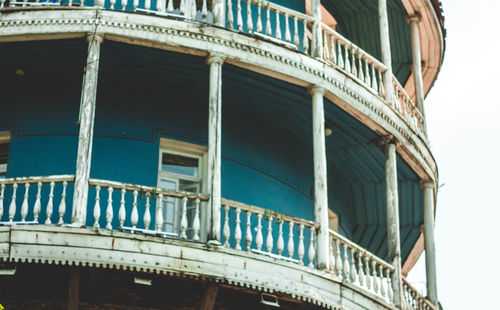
<point x="214" y="144"/>
<point x="317" y="38"/>
<point x="386" y="49"/>
<point x="219" y="12"/>
<point x="86" y="120"/>
<point x="413" y="20"/>
<point x="73" y="289"/>
<point x="320" y="178"/>
<point x="392" y="205"/>
<point x="430" y="249"/>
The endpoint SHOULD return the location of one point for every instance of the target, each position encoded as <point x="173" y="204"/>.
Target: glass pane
<point x="169" y="206"/>
<point x="4" y="152"/>
<point x="179" y="164"/>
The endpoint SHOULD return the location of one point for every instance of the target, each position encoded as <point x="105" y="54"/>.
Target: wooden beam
<point x="73" y="289"/>
<point x="209" y="298"/>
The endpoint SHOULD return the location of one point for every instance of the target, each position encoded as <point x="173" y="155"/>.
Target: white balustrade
<point x="135" y="206"/>
<point x="413" y="300"/>
<point x="354" y="264"/>
<point x="35" y="191"/>
<point x="269" y="230"/>
<point x="407" y="108"/>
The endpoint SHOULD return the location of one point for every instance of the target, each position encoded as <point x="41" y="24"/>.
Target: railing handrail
<point x="360" y="249"/>
<point x="282" y="9"/>
<point x="272" y="213"/>
<point x="413" y="105"/>
<point x="417" y="294"/>
<point x="151" y="189"/>
<point x="42" y="179"/>
<point x="362" y="52"/>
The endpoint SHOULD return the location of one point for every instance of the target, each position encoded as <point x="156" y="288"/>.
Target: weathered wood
<point x="86" y="120"/>
<point x="219" y="12"/>
<point x="386" y="49"/>
<point x="73" y="289"/>
<point x="214" y="144"/>
<point x="208" y="301"/>
<point x="392" y="205"/>
<point x="430" y="247"/>
<point x="317" y="43"/>
<point x="320" y="178"/>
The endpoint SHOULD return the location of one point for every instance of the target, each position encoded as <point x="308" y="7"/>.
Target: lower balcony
<point x="155" y="230"/>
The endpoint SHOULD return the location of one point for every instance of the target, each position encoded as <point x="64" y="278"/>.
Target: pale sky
<point x="463" y="111"/>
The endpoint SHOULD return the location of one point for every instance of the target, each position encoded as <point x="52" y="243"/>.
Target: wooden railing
<point x="123" y="201"/>
<point x="34" y="200"/>
<point x="413" y="299"/>
<point x="407" y="108"/>
<point x="300" y="234"/>
<point x="358" y="266"/>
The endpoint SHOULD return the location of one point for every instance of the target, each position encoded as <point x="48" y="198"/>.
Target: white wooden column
<point x="392" y="207"/>
<point x="86" y="120"/>
<point x="219" y="12"/>
<point x="386" y="49"/>
<point x="413" y="20"/>
<point x="317" y="38"/>
<point x="430" y="248"/>
<point x="320" y="178"/>
<point x="214" y="144"/>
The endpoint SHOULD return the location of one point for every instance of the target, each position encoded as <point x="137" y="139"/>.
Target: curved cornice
<point x="238" y="49"/>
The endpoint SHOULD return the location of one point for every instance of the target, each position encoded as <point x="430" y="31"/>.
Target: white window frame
<point x="4" y="138"/>
<point x="186" y="149"/>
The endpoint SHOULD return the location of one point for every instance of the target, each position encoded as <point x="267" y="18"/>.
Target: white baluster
<point x="269" y="239"/>
<point x="345" y="263"/>
<point x="361" y="74"/>
<point x="249" y="17"/>
<point x="109" y="209"/>
<point x="226" y="232"/>
<point x="291" y="246"/>
<point x="326" y="52"/>
<point x="204" y="11"/>
<point x="121" y="211"/>
<point x="367" y="75"/>
<point x="361" y="273"/>
<point x="134" y="216"/>
<point x="237" y="230"/>
<point x="196" y="220"/>
<point x="340" y="59"/>
<point x="312" y="250"/>
<point x="193" y="9"/>
<point x="248" y="234"/>
<point x="112" y="4"/>
<point x="50" y="203"/>
<point x="1" y="200"/>
<point x="147" y="4"/>
<point x="374" y="79"/>
<point x="353" y="266"/>
<point x="367" y="271"/>
<point x="381" y="89"/>
<point x="124" y="4"/>
<point x="259" y="17"/>
<point x="239" y="18"/>
<point x="146" y="219"/>
<point x="375" y="278"/>
<point x="230" y="18"/>
<point x="305" y="40"/>
<point x="170" y="6"/>
<point x="296" y="38"/>
<point x="390" y="293"/>
<point x="278" y="27"/>
<point x="332" y="49"/>
<point x="37" y="208"/>
<point x="182" y="7"/>
<point x="24" y="206"/>
<point x="135" y="4"/>
<point x="301" y="248"/>
<point x="159" y="212"/>
<point x="280" y="245"/>
<point x="346" y="59"/>
<point x="62" y="204"/>
<point x="184" y="221"/>
<point x="258" y="238"/>
<point x="338" y="259"/>
<point x="288" y="36"/>
<point x="354" y="69"/>
<point x="268" y="21"/>
<point x="97" y="207"/>
<point x="331" y="255"/>
<point x="381" y="272"/>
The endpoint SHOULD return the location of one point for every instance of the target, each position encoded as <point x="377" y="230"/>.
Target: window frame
<point x="4" y="139"/>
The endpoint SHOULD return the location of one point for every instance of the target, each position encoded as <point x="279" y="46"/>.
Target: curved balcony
<point x="37" y="228"/>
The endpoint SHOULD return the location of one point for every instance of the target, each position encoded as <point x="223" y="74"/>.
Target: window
<point x="4" y="152"/>
<point x="180" y="169"/>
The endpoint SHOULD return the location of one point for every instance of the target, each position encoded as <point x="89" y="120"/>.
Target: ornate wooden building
<point x="216" y="154"/>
